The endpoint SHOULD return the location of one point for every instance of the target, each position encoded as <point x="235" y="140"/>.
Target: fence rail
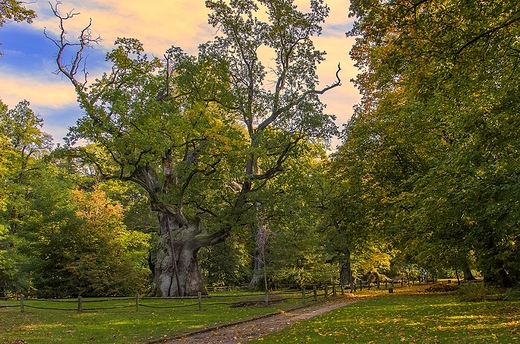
<point x="216" y="299"/>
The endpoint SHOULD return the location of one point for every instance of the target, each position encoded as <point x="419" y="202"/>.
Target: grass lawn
<point x="99" y="324"/>
<point x="409" y="318"/>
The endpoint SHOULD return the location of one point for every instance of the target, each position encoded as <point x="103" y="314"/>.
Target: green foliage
<point x="473" y="292"/>
<point x="226" y="264"/>
<point x="433" y="140"/>
<point x="83" y="248"/>
<point x="55" y="241"/>
<point x="512" y="294"/>
<point x="14" y="10"/>
<point x="136" y="207"/>
<point x="8" y="266"/>
<point x="297" y="252"/>
<point x="23" y="148"/>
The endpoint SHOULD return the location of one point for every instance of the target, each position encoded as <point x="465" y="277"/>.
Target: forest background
<point x="213" y="169"/>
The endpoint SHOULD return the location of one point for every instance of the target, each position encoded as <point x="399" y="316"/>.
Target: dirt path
<point x="256" y="328"/>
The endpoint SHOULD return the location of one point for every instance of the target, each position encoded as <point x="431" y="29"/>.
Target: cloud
<point x="157" y="24"/>
<point x="42" y="91"/>
<point x="53" y="99"/>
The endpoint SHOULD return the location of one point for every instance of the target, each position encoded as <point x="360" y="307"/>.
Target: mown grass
<point x="118" y="321"/>
<point x="409" y="318"/>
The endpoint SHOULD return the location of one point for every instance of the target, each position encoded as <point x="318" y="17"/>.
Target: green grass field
<point x="118" y="321"/>
<point x="409" y="318"/>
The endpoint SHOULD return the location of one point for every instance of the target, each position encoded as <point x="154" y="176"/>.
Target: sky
<point x="28" y="69"/>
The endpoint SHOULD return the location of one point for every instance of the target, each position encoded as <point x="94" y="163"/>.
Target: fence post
<point x="22" y="306"/>
<point x="315" y="293"/>
<point x="80" y="304"/>
<point x="199" y="297"/>
<point x="267" y="298"/>
<point x="303" y="294"/>
<point x="137" y="302"/>
<point x="333" y="290"/>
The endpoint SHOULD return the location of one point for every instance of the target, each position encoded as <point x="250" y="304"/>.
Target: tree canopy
<point x="438" y="124"/>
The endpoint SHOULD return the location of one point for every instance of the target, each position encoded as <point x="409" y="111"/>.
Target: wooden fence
<point x="233" y="297"/>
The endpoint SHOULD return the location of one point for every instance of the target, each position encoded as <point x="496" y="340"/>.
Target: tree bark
<point x="176" y="268"/>
<point x="345" y="274"/>
<point x="468" y="275"/>
<point x="258" y="278"/>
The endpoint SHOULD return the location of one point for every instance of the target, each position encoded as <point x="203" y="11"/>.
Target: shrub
<point x="472" y="292"/>
<point x="512" y="294"/>
<point x="442" y="288"/>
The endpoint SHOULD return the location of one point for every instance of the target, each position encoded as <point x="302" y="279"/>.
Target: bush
<point x="512" y="294"/>
<point x="442" y="288"/>
<point x="472" y="292"/>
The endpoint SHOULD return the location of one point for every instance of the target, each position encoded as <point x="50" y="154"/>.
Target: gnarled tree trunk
<point x="176" y="270"/>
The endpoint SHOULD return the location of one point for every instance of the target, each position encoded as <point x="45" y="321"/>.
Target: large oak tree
<point x="201" y="134"/>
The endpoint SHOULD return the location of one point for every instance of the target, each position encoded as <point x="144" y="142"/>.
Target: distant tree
<point x="80" y="246"/>
<point x="23" y="147"/>
<point x="298" y="251"/>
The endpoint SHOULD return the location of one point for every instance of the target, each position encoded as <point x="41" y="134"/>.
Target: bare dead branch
<point x="333" y="85"/>
<point x="85" y="40"/>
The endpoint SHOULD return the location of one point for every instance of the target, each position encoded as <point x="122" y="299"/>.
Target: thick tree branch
<point x="489" y="32"/>
<point x="270" y="173"/>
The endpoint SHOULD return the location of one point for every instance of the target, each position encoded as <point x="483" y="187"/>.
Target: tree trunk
<point x="498" y="277"/>
<point x="494" y="270"/>
<point x="257" y="275"/>
<point x="345" y="274"/>
<point x="259" y="279"/>
<point x="176" y="268"/>
<point x="468" y="276"/>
